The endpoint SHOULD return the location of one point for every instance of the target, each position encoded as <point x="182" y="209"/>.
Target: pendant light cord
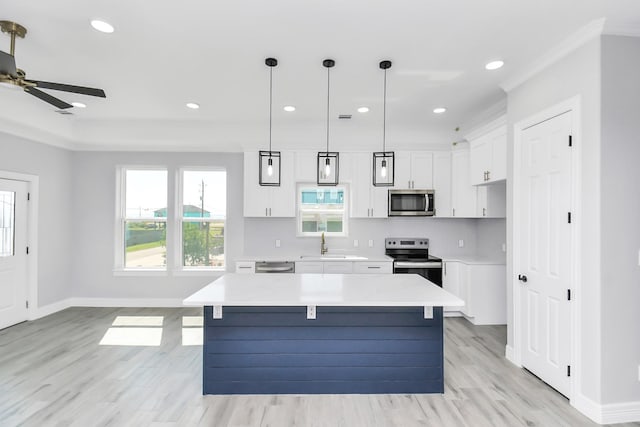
<point x="384" y="114"/>
<point x="270" y="105"/>
<point x="328" y="86"/>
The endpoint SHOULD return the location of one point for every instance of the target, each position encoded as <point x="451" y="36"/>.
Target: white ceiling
<point x="166" y="53"/>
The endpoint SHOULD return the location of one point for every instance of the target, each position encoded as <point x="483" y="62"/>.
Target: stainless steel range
<point x="411" y="256"/>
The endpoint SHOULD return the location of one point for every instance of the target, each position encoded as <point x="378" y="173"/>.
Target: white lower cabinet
<point x="312" y="267"/>
<point x="245" y="267"/>
<point x="373" y="267"/>
<point x="344" y="267"/>
<point x="483" y="287"/>
<point x="338" y="267"/>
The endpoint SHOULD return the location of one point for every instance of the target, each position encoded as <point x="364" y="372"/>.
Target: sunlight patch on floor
<point x="192" y="336"/>
<point x="138" y="321"/>
<point x="192" y="320"/>
<point x="132" y="337"/>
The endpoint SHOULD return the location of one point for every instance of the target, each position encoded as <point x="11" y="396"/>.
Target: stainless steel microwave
<point x="411" y="203"/>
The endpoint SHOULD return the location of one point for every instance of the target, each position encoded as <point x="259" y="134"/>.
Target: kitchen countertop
<point x="473" y="259"/>
<point x="347" y="290"/>
<point x="315" y="258"/>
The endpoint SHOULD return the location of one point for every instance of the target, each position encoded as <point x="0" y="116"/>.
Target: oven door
<point x="430" y="270"/>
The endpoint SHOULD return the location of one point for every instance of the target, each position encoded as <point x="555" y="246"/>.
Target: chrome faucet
<point x="323" y="248"/>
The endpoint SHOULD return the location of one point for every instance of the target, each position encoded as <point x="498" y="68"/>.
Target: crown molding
<point x="626" y="30"/>
<point x="486" y="128"/>
<point x="583" y="35"/>
<point x="21" y="130"/>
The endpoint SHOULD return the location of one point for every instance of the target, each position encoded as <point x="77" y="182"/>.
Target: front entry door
<point x="545" y="263"/>
<point x="13" y="257"/>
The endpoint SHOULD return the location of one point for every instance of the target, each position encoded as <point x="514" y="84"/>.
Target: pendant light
<point x="328" y="161"/>
<point x="384" y="161"/>
<point x="269" y="173"/>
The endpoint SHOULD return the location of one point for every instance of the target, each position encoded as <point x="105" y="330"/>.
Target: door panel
<point x="13" y="258"/>
<point x="545" y="249"/>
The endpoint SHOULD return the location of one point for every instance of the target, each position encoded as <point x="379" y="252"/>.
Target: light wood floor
<point x="54" y="372"/>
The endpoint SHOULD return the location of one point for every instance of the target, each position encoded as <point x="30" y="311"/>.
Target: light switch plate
<point x="217" y="312"/>
<point x="277" y="243"/>
<point x="356" y="243"/>
<point x="370" y="243"/>
<point x="311" y="312"/>
<point x="461" y="243"/>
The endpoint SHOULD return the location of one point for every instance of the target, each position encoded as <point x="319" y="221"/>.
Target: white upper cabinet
<point x="442" y="183"/>
<point x="367" y="201"/>
<point x="463" y="194"/>
<point x="413" y="170"/>
<point x="488" y="157"/>
<point x="268" y="201"/>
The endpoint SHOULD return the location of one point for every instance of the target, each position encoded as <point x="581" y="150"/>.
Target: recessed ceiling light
<point x="289" y="108"/>
<point x="193" y="105"/>
<point x="363" y="110"/>
<point x="103" y="27"/>
<point x="439" y="110"/>
<point x="494" y="65"/>
<point x="79" y="105"/>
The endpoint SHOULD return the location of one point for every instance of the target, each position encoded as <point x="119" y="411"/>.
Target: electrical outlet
<point x="370" y="243"/>
<point x="355" y="243"/>
<point x="461" y="243"/>
<point x="277" y="243"/>
<point x="504" y="247"/>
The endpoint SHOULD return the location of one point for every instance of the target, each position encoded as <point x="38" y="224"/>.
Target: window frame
<point x="120" y="267"/>
<point x="178" y="220"/>
<point x="345" y="211"/>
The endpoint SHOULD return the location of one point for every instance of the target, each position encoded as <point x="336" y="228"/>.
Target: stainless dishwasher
<point x="275" y="267"/>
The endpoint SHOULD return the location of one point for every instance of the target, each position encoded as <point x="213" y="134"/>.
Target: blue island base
<point x="345" y="350"/>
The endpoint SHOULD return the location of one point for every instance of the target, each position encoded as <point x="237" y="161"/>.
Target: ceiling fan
<point x="15" y="76"/>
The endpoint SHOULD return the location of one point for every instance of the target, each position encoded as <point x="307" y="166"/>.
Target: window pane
<point x="7" y="223"/>
<point x="204" y="194"/>
<point x="146" y="194"/>
<point x="203" y="244"/>
<point x="322" y="210"/>
<point x="145" y="244"/>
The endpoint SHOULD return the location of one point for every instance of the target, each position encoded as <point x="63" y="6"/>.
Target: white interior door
<point x="545" y="248"/>
<point x="13" y="258"/>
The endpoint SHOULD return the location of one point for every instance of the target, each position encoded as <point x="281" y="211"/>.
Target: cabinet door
<point x="450" y="280"/>
<point x="306" y="167"/>
<point x="422" y="170"/>
<point x="442" y="183"/>
<point x="498" y="169"/>
<point x="402" y="177"/>
<point x="463" y="289"/>
<point x="367" y="267"/>
<point x="338" y="267"/>
<point x="379" y="201"/>
<point x="482" y="207"/>
<point x="463" y="194"/>
<point x="256" y="197"/>
<point x="312" y="267"/>
<point x="283" y="198"/>
<point x="479" y="160"/>
<point x="360" y="186"/>
<point x="245" y="267"/>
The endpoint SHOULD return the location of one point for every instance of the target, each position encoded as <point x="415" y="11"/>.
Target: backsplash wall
<point x="483" y="236"/>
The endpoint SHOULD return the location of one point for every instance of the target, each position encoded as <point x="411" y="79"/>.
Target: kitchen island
<point x="322" y="333"/>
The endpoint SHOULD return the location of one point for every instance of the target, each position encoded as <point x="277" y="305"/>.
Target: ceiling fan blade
<point x="70" y="88"/>
<point x="7" y="64"/>
<point x="47" y="98"/>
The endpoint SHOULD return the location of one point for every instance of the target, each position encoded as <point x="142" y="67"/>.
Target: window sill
<point x="165" y="273"/>
<point x="199" y="272"/>
<point x="140" y="272"/>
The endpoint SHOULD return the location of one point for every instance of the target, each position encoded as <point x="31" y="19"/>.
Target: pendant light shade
<point x="384" y="161"/>
<point x="328" y="162"/>
<point x="269" y="161"/>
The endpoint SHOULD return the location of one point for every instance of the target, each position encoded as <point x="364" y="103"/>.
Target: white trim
<point x="199" y="272"/>
<point x="486" y="128"/>
<point x="21" y="130"/>
<point x="612" y="413"/>
<point x="583" y="35"/>
<point x="509" y="355"/>
<point x="137" y="272"/>
<point x="572" y="105"/>
<point x="125" y="302"/>
<point x="624" y="30"/>
<point x="33" y="182"/>
<point x="48" y="309"/>
<point x="452" y="314"/>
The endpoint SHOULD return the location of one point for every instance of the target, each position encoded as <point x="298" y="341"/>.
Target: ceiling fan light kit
<point x="10" y="74"/>
<point x="328" y="163"/>
<point x="384" y="161"/>
<point x="270" y="161"/>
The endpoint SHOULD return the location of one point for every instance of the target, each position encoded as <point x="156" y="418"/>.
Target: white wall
<point x="94" y="199"/>
<point x="578" y="74"/>
<point x="53" y="166"/>
<point x="620" y="221"/>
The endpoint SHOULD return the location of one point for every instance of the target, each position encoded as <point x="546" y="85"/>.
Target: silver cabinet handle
<point x="444" y="268"/>
<point x="488" y="175"/>
<point x="484" y="211"/>
<point x="266" y="210"/>
<point x="454" y="211"/>
<point x="371" y="266"/>
<point x="269" y="211"/>
<point x="432" y="264"/>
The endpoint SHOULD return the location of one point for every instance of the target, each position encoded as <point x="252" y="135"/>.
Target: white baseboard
<point x="612" y="413"/>
<point x="452" y="314"/>
<point x="46" y="310"/>
<point x="510" y="355"/>
<point x="126" y="302"/>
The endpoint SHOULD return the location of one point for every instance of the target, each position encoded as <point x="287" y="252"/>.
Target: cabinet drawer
<point x="373" y="267"/>
<point x="246" y="267"/>
<point x="338" y="267"/>
<point x="313" y="267"/>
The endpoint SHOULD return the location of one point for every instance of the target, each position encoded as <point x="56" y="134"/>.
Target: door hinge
<point x="568" y="370"/>
<point x="568" y="294"/>
<point x="570" y="141"/>
<point x="27" y="250"/>
<point x="27" y="304"/>
<point x="569" y="217"/>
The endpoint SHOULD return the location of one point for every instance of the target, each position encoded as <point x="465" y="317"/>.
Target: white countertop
<point x="379" y="290"/>
<point x="473" y="259"/>
<point x="329" y="257"/>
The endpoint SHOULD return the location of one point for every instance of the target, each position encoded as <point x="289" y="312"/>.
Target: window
<point x="7" y="223"/>
<point x="143" y="219"/>
<point x="202" y="213"/>
<point x="322" y="210"/>
<point x="193" y="222"/>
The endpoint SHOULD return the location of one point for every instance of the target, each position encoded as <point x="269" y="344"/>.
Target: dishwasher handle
<point x="267" y="267"/>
